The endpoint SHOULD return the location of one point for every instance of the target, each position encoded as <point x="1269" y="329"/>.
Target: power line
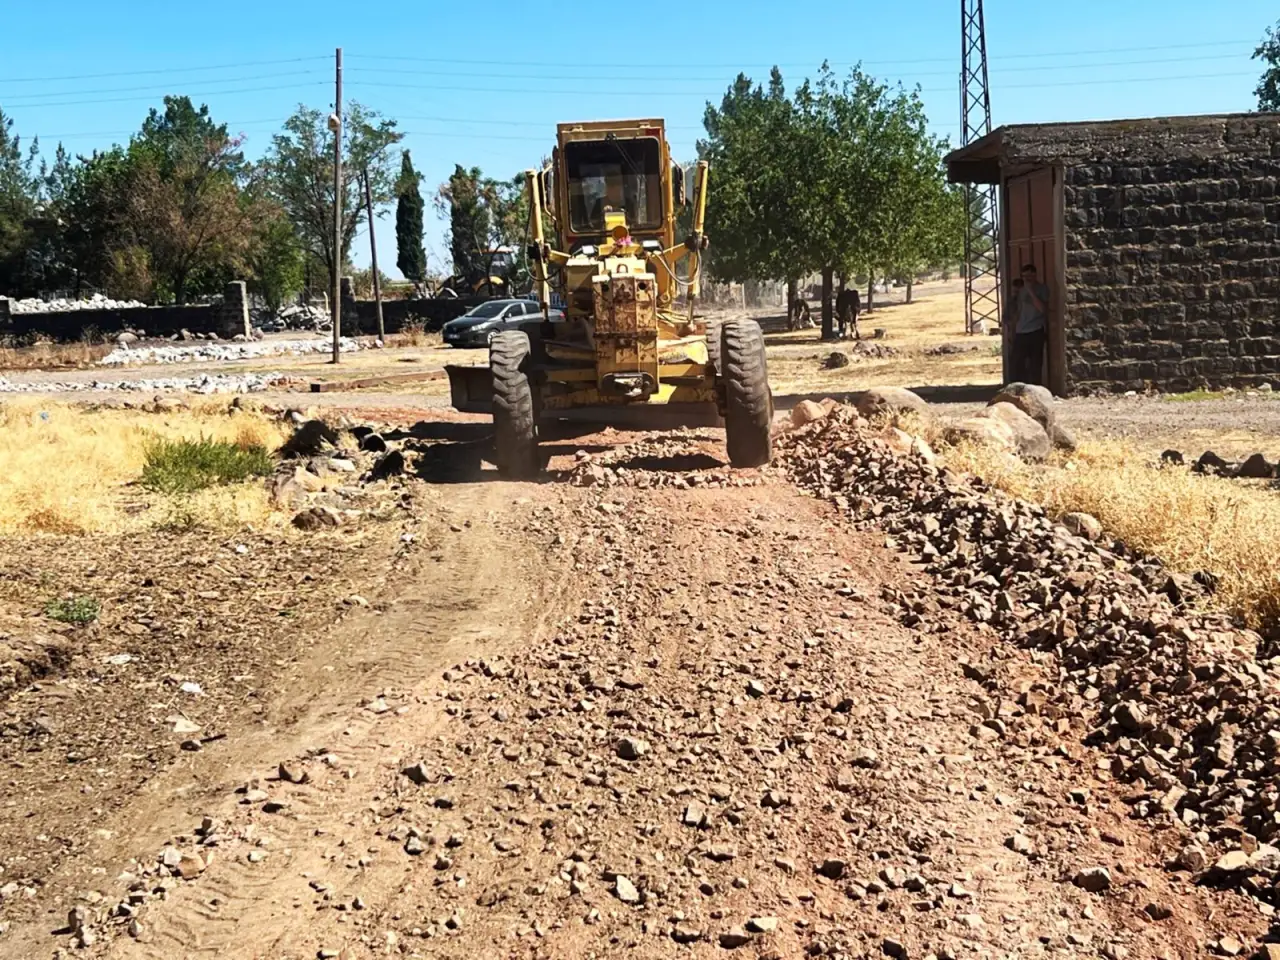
<point x="128" y="133"/>
<point x="1055" y="54"/>
<point x="153" y="86"/>
<point x="141" y="73"/>
<point x="77" y="103"/>
<point x="740" y="65"/>
<point x="720" y="77"/>
<point x="633" y="92"/>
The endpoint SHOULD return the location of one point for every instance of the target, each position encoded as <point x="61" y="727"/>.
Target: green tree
<point x="299" y="168"/>
<point x="275" y="258"/>
<point x="1268" y="89"/>
<point x="92" y="212"/>
<point x="842" y="179"/>
<point x="19" y="195"/>
<point x="183" y="201"/>
<point x="463" y="200"/>
<point x="411" y="255"/>
<point x="765" y="213"/>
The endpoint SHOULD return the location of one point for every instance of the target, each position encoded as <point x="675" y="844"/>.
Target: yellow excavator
<point x="622" y="351"/>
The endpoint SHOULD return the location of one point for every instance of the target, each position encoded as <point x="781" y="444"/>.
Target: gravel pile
<point x="1184" y="701"/>
<point x="665" y="461"/>
<point x="221" y="352"/>
<point x="96" y="302"/>
<point x="206" y="384"/>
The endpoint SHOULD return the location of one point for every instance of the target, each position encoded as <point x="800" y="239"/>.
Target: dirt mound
<point x="1182" y="701"/>
<point x="26" y="658"/>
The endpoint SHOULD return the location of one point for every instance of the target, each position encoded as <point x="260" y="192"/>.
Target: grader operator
<point x="603" y="232"/>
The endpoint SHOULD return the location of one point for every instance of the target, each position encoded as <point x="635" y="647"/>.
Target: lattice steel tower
<point x="981" y="239"/>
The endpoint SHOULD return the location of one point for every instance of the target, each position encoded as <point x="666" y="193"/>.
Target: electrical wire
<point x="19" y="100"/>
<point x="141" y="73"/>
<point x="717" y="78"/>
<point x="613" y="65"/>
<point x="78" y="103"/>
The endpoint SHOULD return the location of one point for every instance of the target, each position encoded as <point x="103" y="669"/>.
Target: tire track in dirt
<point x="449" y="609"/>
<point x="446" y="599"/>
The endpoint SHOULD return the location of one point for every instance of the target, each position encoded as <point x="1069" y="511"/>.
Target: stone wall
<point x="228" y="317"/>
<point x="432" y="313"/>
<point x="1172" y="245"/>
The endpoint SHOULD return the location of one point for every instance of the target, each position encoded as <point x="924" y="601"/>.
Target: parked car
<point x="476" y="327"/>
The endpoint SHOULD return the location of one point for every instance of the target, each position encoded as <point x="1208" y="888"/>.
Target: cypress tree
<point x="411" y="257"/>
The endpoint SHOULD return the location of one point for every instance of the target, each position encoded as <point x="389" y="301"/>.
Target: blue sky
<point x="87" y="74"/>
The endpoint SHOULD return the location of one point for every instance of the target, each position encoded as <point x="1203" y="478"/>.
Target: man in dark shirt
<point x="848" y="305"/>
<point x="1030" y="316"/>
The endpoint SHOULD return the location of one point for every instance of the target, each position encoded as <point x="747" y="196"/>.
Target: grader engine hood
<point x="625" y="334"/>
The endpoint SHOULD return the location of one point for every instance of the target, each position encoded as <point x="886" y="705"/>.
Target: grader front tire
<point x="748" y="399"/>
<point x="515" y="435"/>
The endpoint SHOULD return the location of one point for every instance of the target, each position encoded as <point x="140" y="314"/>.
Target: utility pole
<point x="335" y="124"/>
<point x="373" y="256"/>
<point x="981" y="232"/>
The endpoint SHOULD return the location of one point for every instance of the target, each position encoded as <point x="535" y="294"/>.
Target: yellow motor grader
<point x="622" y="351"/>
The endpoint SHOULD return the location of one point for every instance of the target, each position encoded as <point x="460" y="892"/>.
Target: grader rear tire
<point x="748" y="399"/>
<point x="515" y="432"/>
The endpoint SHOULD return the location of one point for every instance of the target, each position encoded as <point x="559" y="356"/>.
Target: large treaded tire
<point x="515" y="433"/>
<point x="748" y="399"/>
<point x="713" y="346"/>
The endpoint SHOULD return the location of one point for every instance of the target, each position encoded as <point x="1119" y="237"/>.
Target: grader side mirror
<point x="677" y="185"/>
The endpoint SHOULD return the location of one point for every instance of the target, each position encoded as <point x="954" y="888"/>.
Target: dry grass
<point x="1191" y="522"/>
<point x="934" y="317"/>
<point x="53" y="356"/>
<point x="415" y="335"/>
<point x="70" y="470"/>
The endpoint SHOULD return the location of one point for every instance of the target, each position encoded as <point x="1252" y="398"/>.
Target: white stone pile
<point x="205" y="384"/>
<point x="219" y="351"/>
<point x="95" y="302"/>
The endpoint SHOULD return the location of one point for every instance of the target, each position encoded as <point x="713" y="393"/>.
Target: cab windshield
<point x="621" y="175"/>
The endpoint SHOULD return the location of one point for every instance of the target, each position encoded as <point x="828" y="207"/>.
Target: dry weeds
<point x="72" y="470"/>
<point x="45" y="355"/>
<point x="1191" y="522"/>
<point x="415" y="335"/>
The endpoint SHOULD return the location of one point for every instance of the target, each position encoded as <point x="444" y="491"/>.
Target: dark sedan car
<point x="476" y="327"/>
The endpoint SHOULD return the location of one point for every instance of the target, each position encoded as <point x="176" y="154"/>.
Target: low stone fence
<point x="431" y="312"/>
<point x="226" y="318"/>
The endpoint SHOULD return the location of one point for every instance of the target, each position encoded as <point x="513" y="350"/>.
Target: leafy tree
<point x="1268" y="89"/>
<point x="765" y="203"/>
<point x="842" y="178"/>
<point x="183" y="204"/>
<point x="19" y="194"/>
<point x="470" y="223"/>
<point x="299" y="168"/>
<point x="92" y="211"/>
<point x="275" y="258"/>
<point x="411" y="255"/>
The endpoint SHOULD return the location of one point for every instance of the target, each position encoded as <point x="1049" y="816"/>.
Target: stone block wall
<point x="1173" y="270"/>
<point x="432" y="313"/>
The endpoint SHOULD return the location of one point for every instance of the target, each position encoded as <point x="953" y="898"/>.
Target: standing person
<point x="848" y="305"/>
<point x="1030" y="327"/>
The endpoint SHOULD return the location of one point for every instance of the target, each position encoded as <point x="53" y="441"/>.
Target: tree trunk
<point x="910" y="283"/>
<point x="828" y="317"/>
<point x="871" y="291"/>
<point x="791" y="303"/>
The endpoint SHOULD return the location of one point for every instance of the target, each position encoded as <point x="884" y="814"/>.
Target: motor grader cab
<point x="629" y="348"/>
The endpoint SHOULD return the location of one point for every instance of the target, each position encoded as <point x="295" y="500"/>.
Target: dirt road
<point x="574" y="722"/>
